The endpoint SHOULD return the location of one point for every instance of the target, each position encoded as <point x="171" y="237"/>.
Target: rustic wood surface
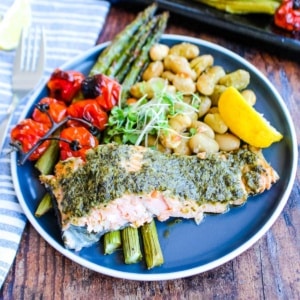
<point x="268" y="270"/>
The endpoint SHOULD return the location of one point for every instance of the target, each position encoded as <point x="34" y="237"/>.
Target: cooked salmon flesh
<point x="122" y="185"/>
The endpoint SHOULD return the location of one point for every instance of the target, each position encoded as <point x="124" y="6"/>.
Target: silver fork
<point x="28" y="69"/>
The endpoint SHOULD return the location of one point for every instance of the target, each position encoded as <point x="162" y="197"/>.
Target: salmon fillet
<point x="123" y="185"/>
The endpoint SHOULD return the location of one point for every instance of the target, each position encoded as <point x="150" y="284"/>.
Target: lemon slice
<point x="16" y="18"/>
<point x="244" y="121"/>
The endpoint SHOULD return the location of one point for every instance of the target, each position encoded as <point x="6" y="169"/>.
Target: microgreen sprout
<point x="133" y="123"/>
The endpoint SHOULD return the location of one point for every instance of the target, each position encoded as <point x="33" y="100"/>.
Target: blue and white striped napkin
<point x="71" y="27"/>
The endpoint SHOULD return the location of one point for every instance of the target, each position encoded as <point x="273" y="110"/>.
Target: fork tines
<point x="29" y="61"/>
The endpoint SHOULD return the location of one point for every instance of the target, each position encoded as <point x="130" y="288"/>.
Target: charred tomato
<point x="49" y="108"/>
<point x="64" y="85"/>
<point x="75" y="141"/>
<point x="27" y="134"/>
<point x="103" y="89"/>
<point x="88" y="110"/>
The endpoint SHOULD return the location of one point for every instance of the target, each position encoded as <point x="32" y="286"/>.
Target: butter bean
<point x="184" y="83"/>
<point x="183" y="148"/>
<point x="200" y="142"/>
<point x="158" y="52"/>
<point x="180" y="122"/>
<point x="249" y="96"/>
<point x="227" y="141"/>
<point x="179" y="64"/>
<point x="168" y="75"/>
<point x="215" y="121"/>
<point x="170" y="139"/>
<point x="187" y="50"/>
<point x="201" y="63"/>
<point x="204" y="106"/>
<point x="218" y="90"/>
<point x="154" y="69"/>
<point x="201" y="127"/>
<point x="238" y="79"/>
<point x="207" y="81"/>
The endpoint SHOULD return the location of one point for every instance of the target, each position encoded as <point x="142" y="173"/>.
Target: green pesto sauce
<point x="103" y="179"/>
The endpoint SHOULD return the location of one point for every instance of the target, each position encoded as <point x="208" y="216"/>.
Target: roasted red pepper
<point x="64" y="85"/>
<point x="56" y="109"/>
<point x="75" y="141"/>
<point x="103" y="89"/>
<point x="88" y="110"/>
<point x="27" y="134"/>
<point x="287" y="15"/>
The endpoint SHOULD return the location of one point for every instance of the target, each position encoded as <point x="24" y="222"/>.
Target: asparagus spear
<point x="129" y="53"/>
<point x="153" y="253"/>
<point x="120" y="41"/>
<point x="112" y="241"/>
<point x="143" y="58"/>
<point x="44" y="206"/>
<point x="45" y="165"/>
<point x="131" y="245"/>
<point x="47" y="161"/>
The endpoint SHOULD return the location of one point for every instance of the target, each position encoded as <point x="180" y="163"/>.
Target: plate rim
<point x="176" y="274"/>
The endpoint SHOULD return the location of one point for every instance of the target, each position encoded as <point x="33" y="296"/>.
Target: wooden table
<point x="268" y="270"/>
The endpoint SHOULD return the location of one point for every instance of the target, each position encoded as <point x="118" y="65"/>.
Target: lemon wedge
<point x="244" y="121"/>
<point x="15" y="19"/>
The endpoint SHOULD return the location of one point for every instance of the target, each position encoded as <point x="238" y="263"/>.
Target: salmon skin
<point x="123" y="185"/>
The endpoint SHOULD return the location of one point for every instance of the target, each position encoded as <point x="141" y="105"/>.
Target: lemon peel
<point x="17" y="18"/>
<point x="244" y="121"/>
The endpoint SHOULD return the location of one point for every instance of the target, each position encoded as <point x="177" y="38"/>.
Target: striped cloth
<point x="70" y="27"/>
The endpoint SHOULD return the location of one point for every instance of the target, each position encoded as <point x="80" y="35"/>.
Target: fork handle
<point x="4" y="126"/>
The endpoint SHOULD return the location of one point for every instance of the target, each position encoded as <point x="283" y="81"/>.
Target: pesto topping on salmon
<point x="112" y="171"/>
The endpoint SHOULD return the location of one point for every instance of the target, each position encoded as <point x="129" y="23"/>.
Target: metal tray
<point x="255" y="28"/>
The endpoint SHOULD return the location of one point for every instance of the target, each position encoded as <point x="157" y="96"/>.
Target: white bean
<point x="179" y="64"/>
<point x="187" y="50"/>
<point x="183" y="148"/>
<point x="206" y="81"/>
<point x="184" y="83"/>
<point x="204" y="106"/>
<point x="238" y="79"/>
<point x="154" y="69"/>
<point x="170" y="139"/>
<point x="180" y="122"/>
<point x="215" y="121"/>
<point x="249" y="96"/>
<point x="227" y="141"/>
<point x="200" y="142"/>
<point x="201" y="127"/>
<point x="158" y="52"/>
<point x="201" y="63"/>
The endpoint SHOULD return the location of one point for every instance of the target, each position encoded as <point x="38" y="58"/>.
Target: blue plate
<point x="188" y="248"/>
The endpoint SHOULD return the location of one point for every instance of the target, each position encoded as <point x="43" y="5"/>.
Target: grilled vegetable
<point x="153" y="253"/>
<point x="287" y="15"/>
<point x="130" y="185"/>
<point x="120" y="42"/>
<point x="64" y="85"/>
<point x="244" y="7"/>
<point x="112" y="241"/>
<point x="143" y="59"/>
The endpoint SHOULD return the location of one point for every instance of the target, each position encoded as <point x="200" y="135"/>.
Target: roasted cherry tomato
<point x="55" y="108"/>
<point x="64" y="85"/>
<point x="103" y="89"/>
<point x="287" y="15"/>
<point x="27" y="133"/>
<point x="88" y="110"/>
<point x="75" y="141"/>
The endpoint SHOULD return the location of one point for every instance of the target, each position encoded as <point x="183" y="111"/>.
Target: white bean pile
<point x="183" y="70"/>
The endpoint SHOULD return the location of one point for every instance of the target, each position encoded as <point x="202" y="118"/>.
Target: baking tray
<point x="257" y="28"/>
